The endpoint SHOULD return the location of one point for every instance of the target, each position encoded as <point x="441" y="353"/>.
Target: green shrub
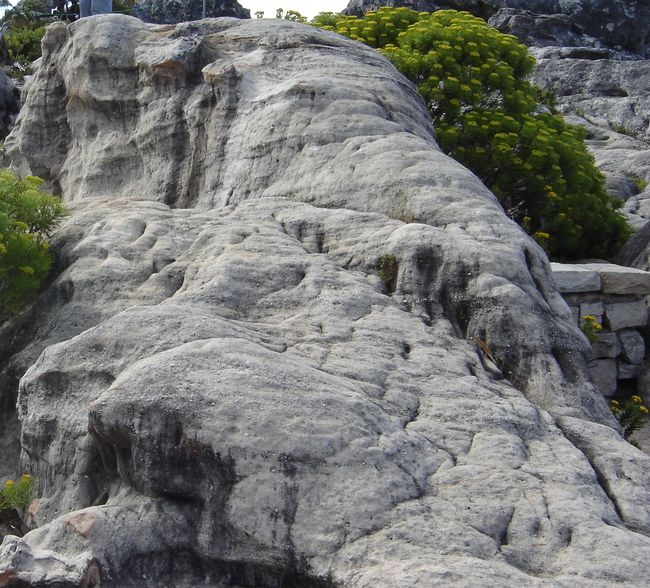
<point x="474" y="82"/>
<point x="640" y="184"/>
<point x="23" y="47"/>
<point x="591" y="327"/>
<point x="631" y="414"/>
<point x="16" y="495"/>
<point x="27" y="215"/>
<point x="387" y="269"/>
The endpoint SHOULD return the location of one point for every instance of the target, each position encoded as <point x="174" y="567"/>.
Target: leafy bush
<point x="591" y="327"/>
<point x="27" y="215"/>
<point x="23" y="47"/>
<point x="16" y="495"/>
<point x="24" y="26"/>
<point x="631" y="414"/>
<point x="474" y="82"/>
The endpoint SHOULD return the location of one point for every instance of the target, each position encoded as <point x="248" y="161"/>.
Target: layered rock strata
<point x="289" y="342"/>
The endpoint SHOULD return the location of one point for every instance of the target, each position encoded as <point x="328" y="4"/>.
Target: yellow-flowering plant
<point x="591" y="327"/>
<point x="27" y="216"/>
<point x="631" y="413"/>
<point x="475" y="83"/>
<point x="15" y="497"/>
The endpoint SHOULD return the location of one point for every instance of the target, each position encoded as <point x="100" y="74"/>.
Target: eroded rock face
<point x="258" y="365"/>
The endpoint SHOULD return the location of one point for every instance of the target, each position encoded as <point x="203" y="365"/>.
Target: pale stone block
<point x="595" y="309"/>
<point x="628" y="371"/>
<point x="632" y="345"/>
<point x="574" y="278"/>
<point x="618" y="279"/>
<point x="604" y="375"/>
<point x="621" y="315"/>
<point x="605" y="346"/>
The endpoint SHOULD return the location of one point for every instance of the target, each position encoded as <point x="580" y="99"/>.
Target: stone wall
<point x="616" y="297"/>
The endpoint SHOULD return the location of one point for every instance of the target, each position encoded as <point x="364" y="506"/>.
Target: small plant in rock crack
<point x="640" y="184"/>
<point x="15" y="496"/>
<point x="591" y="327"/>
<point x="631" y="413"/>
<point x="386" y="269"/>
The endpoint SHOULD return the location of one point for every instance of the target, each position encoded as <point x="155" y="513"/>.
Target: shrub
<point x="16" y="495"/>
<point x="631" y="414"/>
<point x="474" y="82"/>
<point x="591" y="327"/>
<point x="387" y="269"/>
<point x="27" y="215"/>
<point x="23" y="47"/>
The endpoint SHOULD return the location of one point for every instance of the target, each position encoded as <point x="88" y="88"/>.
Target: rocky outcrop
<point x="173" y="11"/>
<point x="288" y="342"/>
<point x="9" y="104"/>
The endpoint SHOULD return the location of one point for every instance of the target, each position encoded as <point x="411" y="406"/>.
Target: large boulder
<point x="288" y="341"/>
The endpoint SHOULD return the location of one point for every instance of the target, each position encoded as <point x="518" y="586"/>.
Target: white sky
<point x="309" y="8"/>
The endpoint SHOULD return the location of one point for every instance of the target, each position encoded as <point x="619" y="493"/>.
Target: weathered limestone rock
<point x="544" y="30"/>
<point x="221" y="386"/>
<point x="608" y="93"/>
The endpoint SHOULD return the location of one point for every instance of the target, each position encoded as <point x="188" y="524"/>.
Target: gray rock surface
<point x="9" y="104"/>
<point x="633" y="345"/>
<point x="224" y="386"/>
<point x="621" y="315"/>
<point x="606" y="92"/>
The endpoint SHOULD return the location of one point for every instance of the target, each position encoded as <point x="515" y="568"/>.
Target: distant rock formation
<point x="175" y="11"/>
<point x="9" y="104"/>
<point x="288" y="341"/>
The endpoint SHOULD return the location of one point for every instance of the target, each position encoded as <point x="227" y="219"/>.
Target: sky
<point x="309" y="8"/>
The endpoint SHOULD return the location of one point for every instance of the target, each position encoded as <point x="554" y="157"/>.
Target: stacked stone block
<point x="616" y="297"/>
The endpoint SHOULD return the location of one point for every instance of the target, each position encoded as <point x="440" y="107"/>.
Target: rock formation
<point x="288" y="342"/>
<point x="9" y="104"/>
<point x="175" y="11"/>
